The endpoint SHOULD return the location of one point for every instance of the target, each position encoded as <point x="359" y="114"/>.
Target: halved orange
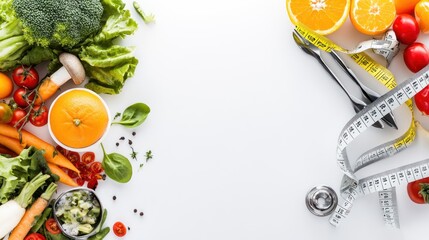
<point x="78" y="118"/>
<point x="322" y="16"/>
<point x="372" y="17"/>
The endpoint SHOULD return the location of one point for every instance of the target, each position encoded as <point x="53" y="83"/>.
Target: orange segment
<point x="322" y="16"/>
<point x="372" y="17"/>
<point x="78" y="118"/>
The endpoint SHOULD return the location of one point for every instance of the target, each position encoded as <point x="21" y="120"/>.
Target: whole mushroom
<point x="72" y="69"/>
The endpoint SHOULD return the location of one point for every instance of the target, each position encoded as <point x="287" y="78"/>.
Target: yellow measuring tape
<point x="350" y="132"/>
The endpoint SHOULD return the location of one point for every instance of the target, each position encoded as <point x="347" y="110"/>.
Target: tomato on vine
<point x="23" y="97"/>
<point x="5" y="113"/>
<point x="39" y="116"/>
<point x="25" y="76"/>
<point x="18" y="118"/>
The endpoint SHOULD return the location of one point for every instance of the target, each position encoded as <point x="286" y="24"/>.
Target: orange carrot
<point x="32" y="214"/>
<point x="28" y="139"/>
<point x="5" y="150"/>
<point x="64" y="177"/>
<point x="15" y="146"/>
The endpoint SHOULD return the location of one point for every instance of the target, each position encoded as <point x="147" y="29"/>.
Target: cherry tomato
<point x="61" y="150"/>
<point x="80" y="181"/>
<point x="6" y="86"/>
<point x="52" y="226"/>
<point x="72" y="174"/>
<point x="119" y="229"/>
<point x="96" y="167"/>
<point x="18" y="118"/>
<point x="23" y="97"/>
<point x="35" y="236"/>
<point x="421" y="11"/>
<point x="24" y="76"/>
<point x="74" y="157"/>
<point x="92" y="183"/>
<point x="406" y="28"/>
<point x="422" y="100"/>
<point x="88" y="157"/>
<point x="39" y="116"/>
<point x="416" y="56"/>
<point x="5" y="113"/>
<point x="418" y="191"/>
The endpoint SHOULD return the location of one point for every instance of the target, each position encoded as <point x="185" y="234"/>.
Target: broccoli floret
<point x="58" y="23"/>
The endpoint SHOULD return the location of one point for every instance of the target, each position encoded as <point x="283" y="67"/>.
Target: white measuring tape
<point x="384" y="183"/>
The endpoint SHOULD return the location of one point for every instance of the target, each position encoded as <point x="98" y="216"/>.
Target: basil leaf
<point x="134" y="115"/>
<point x="117" y="167"/>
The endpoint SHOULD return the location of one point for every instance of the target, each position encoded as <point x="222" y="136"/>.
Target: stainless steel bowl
<point x="96" y="226"/>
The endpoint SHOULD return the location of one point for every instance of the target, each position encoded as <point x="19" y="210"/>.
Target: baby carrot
<point x="31" y="215"/>
<point x="28" y="139"/>
<point x="14" y="146"/>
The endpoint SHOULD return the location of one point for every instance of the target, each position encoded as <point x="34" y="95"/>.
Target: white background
<point x="243" y="124"/>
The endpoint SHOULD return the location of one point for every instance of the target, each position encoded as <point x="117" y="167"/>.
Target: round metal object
<point x="321" y="200"/>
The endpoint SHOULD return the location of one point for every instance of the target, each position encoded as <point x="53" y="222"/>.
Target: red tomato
<point x="61" y="150"/>
<point x="119" y="229"/>
<point x="88" y="157"/>
<point x="416" y="56"/>
<point x="80" y="181"/>
<point x="418" y="191"/>
<point x="23" y="97"/>
<point x="422" y="100"/>
<point x="24" y="76"/>
<point x="72" y="174"/>
<point x="5" y="113"/>
<point x="92" y="183"/>
<point x="96" y="167"/>
<point x="35" y="236"/>
<point x="406" y="28"/>
<point x="18" y="118"/>
<point x="39" y="116"/>
<point x="74" y="157"/>
<point x="52" y="226"/>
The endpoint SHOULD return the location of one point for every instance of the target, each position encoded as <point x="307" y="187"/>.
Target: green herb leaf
<point x="117" y="167"/>
<point x="134" y="115"/>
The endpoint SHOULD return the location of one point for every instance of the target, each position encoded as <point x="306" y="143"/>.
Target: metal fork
<point x="359" y="102"/>
<point x="389" y="119"/>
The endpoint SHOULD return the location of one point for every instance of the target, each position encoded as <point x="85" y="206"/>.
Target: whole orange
<point x="405" y="6"/>
<point x="6" y="85"/>
<point x="421" y="12"/>
<point x="78" y="118"/>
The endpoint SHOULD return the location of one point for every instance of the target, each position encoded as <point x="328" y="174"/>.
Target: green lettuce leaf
<point x="108" y="67"/>
<point x="15" y="172"/>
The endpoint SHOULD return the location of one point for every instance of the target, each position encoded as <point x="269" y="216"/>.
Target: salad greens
<point x="107" y="64"/>
<point x="117" y="167"/>
<point x="134" y="115"/>
<point x="15" y="172"/>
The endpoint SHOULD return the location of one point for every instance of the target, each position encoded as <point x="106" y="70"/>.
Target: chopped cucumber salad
<point x="79" y="212"/>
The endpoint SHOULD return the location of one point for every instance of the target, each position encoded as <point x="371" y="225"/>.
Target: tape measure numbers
<point x="384" y="183"/>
